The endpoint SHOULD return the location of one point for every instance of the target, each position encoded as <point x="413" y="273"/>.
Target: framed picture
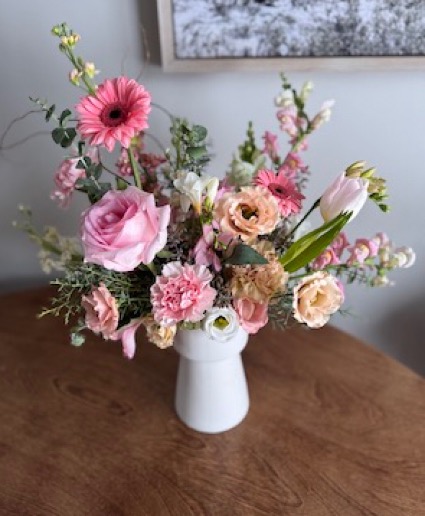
<point x="216" y="35"/>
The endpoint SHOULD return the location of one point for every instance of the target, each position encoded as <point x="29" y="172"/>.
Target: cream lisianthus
<point x="221" y="323"/>
<point x="251" y="212"/>
<point x="192" y="187"/>
<point x="316" y="298"/>
<point x="161" y="336"/>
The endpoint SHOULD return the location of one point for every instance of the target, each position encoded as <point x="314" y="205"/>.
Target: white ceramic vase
<point x="211" y="391"/>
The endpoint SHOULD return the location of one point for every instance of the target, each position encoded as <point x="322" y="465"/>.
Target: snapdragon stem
<point x="315" y="205"/>
<point x="135" y="168"/>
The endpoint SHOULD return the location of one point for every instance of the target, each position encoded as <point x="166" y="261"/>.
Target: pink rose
<point x="124" y="229"/>
<point x="252" y="316"/>
<point x="101" y="311"/>
<point x="182" y="293"/>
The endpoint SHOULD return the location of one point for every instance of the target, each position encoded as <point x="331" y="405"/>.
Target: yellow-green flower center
<point x="221" y="323"/>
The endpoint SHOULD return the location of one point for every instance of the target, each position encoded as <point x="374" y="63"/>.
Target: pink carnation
<point x="283" y="190"/>
<point x="252" y="316"/>
<point x="182" y="293"/>
<point x="101" y="311"/>
<point x="123" y="229"/>
<point x="115" y="113"/>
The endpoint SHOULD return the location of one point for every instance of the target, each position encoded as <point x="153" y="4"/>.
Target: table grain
<point x="335" y="428"/>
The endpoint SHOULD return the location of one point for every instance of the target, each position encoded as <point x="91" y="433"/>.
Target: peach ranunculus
<point x="252" y="316"/>
<point x="101" y="311"/>
<point x="316" y="298"/>
<point x="259" y="282"/>
<point x="251" y="212"/>
<point x="124" y="229"/>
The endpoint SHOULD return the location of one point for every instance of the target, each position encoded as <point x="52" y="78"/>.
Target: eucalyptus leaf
<point x="245" y="255"/>
<point x="57" y="134"/>
<point x="64" y="115"/>
<point x="197" y="152"/>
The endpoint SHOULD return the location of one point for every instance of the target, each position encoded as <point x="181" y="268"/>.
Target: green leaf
<point x="245" y="255"/>
<point x="65" y="114"/>
<point x="316" y="245"/>
<point x="50" y="112"/>
<point x="121" y="184"/>
<point x="300" y="245"/>
<point x="68" y="137"/>
<point x="199" y="133"/>
<point x="80" y="165"/>
<point x="97" y="170"/>
<point x="57" y="135"/>
<point x="196" y="152"/>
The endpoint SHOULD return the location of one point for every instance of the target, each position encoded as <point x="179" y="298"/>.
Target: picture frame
<point x="172" y="62"/>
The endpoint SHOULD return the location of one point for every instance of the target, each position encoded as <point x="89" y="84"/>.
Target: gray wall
<point x="378" y="117"/>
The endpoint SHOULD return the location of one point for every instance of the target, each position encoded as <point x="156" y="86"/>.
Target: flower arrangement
<point x="165" y="246"/>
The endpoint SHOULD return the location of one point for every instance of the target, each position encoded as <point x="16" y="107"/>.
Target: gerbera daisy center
<point x="114" y="115"/>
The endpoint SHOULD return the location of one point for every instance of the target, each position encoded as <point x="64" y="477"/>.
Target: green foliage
<point x="245" y="255"/>
<point x="308" y="247"/>
<point x="189" y="144"/>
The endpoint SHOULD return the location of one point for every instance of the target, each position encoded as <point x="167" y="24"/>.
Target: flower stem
<point x="135" y="168"/>
<point x="315" y="205"/>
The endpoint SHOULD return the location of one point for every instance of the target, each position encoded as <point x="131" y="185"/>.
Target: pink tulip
<point x="343" y="195"/>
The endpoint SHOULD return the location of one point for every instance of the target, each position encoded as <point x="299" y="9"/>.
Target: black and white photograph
<point x="298" y="28"/>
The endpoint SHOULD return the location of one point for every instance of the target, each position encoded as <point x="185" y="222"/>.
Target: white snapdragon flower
<point x="405" y="257"/>
<point x="221" y="324"/>
<point x="306" y="90"/>
<point x="324" y="114"/>
<point x="284" y="99"/>
<point x="192" y="187"/>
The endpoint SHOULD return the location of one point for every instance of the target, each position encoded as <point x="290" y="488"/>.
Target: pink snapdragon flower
<point x="127" y="335"/>
<point x="182" y="293"/>
<point x="116" y="112"/>
<point x="252" y="316"/>
<point x="101" y="311"/>
<point x="124" y="229"/>
<point x="283" y="190"/>
<point x="362" y="250"/>
<point x="327" y="257"/>
<point x="203" y="251"/>
<point x="294" y="162"/>
<point x="66" y="177"/>
<point x="270" y="146"/>
<point x="288" y="118"/>
<point x="339" y="244"/>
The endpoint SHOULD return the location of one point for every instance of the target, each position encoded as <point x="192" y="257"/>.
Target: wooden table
<point x="335" y="427"/>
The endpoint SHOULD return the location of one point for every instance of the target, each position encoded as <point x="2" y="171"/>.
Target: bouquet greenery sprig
<point x="165" y="245"/>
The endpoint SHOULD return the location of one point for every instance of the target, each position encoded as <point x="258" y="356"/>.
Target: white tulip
<point x="221" y="323"/>
<point x="343" y="195"/>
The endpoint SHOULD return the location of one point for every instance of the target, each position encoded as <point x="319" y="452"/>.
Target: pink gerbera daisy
<point x="283" y="189"/>
<point x="116" y="112"/>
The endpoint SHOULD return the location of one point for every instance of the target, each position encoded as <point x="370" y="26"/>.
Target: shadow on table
<point x="405" y="332"/>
